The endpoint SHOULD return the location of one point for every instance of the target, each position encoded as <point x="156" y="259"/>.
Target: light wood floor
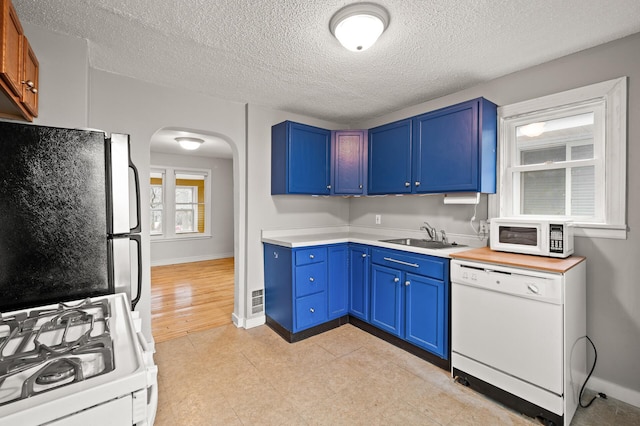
<point x="190" y="296"/>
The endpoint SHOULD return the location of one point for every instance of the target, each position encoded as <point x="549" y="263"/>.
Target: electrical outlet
<point x="484" y="227"/>
<point x="378" y="219"/>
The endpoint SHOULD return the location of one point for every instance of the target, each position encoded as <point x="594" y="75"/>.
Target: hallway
<point x="191" y="297"/>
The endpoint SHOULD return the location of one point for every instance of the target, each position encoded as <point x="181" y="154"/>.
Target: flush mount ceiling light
<point x="189" y="143"/>
<point x="359" y="25"/>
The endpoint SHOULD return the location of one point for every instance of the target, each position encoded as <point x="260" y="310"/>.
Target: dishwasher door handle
<point x="533" y="289"/>
<point x="389" y="259"/>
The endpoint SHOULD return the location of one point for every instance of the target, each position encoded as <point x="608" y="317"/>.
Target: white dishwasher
<point x="517" y="335"/>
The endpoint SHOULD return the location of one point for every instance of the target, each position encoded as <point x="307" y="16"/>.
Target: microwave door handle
<point x="138" y="241"/>
<point x="136" y="178"/>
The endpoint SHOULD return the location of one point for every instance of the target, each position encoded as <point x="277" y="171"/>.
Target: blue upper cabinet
<point x="300" y="159"/>
<point x="454" y="149"/>
<point x="349" y="162"/>
<point x="390" y="158"/>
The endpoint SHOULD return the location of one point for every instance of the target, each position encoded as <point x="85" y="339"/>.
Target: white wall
<point x="411" y="211"/>
<point x="613" y="266"/>
<point x="220" y="244"/>
<point x="63" y="94"/>
<point x="265" y="211"/>
<point x="125" y="105"/>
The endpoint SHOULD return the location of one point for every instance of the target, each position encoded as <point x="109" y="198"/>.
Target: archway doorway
<point x="192" y="233"/>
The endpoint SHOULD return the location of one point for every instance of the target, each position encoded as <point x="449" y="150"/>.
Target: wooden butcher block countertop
<point x="551" y="264"/>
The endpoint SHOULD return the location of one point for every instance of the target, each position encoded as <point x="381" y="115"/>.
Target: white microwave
<point x="541" y="237"/>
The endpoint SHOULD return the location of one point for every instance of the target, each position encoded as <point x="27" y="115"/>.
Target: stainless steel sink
<point x="416" y="242"/>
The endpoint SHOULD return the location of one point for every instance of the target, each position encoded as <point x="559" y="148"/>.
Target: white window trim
<point x="614" y="93"/>
<point x="161" y="210"/>
<point x="169" y="184"/>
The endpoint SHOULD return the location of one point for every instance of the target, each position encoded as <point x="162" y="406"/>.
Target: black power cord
<point x="593" y="367"/>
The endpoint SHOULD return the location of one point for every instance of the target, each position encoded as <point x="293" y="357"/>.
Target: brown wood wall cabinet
<point x="19" y="69"/>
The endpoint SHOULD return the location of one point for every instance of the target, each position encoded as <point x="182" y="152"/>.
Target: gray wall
<point x="613" y="266"/>
<point x="280" y="211"/>
<point x="220" y="244"/>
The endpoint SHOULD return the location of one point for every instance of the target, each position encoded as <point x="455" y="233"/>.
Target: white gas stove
<point x="77" y="363"/>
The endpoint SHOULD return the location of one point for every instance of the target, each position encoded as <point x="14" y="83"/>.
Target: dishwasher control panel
<point x="515" y="281"/>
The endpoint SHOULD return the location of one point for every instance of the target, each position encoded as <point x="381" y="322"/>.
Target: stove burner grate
<point x="45" y="349"/>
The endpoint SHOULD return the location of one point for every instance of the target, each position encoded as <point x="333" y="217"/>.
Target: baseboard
<point x="178" y="260"/>
<point x="237" y="321"/>
<point x="254" y="322"/>
<point x="247" y="322"/>
<point x="630" y="396"/>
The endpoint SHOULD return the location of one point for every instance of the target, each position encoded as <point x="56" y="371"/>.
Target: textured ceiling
<point x="280" y="53"/>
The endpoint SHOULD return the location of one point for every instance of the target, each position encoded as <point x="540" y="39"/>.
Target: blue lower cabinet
<point x="306" y="286"/>
<point x="404" y="294"/>
<point x="410" y="298"/>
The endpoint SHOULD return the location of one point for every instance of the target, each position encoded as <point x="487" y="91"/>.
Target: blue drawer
<point x="311" y="278"/>
<point x="427" y="266"/>
<point x="311" y="255"/>
<point x="311" y="310"/>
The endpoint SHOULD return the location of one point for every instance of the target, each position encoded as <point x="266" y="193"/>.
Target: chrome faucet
<point x="444" y="237"/>
<point x="431" y="231"/>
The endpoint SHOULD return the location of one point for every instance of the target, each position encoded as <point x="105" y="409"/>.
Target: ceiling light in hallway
<point x="189" y="143"/>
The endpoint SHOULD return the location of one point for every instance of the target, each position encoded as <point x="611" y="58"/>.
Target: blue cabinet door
<point x="454" y="148"/>
<point x="390" y="158"/>
<point x="426" y="314"/>
<point x="300" y="159"/>
<point x="359" y="281"/>
<point x="349" y="162"/>
<point x="338" y="282"/>
<point x="386" y="301"/>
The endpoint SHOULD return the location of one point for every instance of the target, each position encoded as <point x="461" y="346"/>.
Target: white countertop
<point x="294" y="238"/>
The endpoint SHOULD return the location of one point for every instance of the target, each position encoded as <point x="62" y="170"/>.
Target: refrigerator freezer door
<point x="53" y="209"/>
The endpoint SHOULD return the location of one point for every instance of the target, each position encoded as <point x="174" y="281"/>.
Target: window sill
<point x="597" y="230"/>
<point x="186" y="237"/>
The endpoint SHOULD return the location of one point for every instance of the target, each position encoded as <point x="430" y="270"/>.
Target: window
<point x="564" y="156"/>
<point x="178" y="205"/>
<point x="190" y="206"/>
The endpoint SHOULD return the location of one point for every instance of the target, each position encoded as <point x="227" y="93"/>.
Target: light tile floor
<point x="231" y="376"/>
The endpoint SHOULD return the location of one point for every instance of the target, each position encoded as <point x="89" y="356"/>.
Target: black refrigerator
<point x="65" y="219"/>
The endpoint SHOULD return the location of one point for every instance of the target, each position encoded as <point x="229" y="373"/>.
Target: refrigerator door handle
<point x="122" y="264"/>
<point x="120" y="191"/>
<point x="136" y="178"/>
<point x="136" y="238"/>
